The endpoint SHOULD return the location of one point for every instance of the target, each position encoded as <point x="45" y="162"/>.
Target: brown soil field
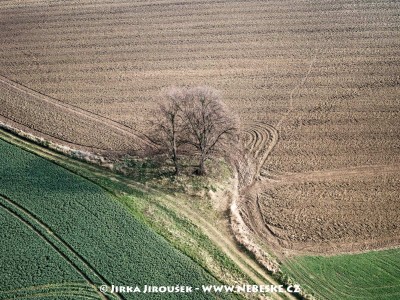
<point x="315" y="83"/>
<point x="343" y="214"/>
<point x="327" y="212"/>
<point x="58" y="122"/>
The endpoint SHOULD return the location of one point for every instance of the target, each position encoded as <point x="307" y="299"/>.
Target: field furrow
<point x="30" y="100"/>
<point x="315" y="84"/>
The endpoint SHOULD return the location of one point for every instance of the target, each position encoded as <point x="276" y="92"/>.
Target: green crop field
<point x="65" y="236"/>
<point x="372" y="275"/>
<point x="49" y="267"/>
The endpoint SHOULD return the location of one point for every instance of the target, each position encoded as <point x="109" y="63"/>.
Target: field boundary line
<point x="77" y="110"/>
<point x="5" y="124"/>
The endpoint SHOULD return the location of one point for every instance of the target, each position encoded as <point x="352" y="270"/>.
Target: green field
<point x="22" y="245"/>
<point x="372" y="275"/>
<point x="61" y="233"/>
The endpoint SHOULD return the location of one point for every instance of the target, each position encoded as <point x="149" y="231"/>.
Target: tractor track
<point x="247" y="201"/>
<point x="53" y="240"/>
<point x="256" y="138"/>
<point x="78" y="290"/>
<point x="119" y="127"/>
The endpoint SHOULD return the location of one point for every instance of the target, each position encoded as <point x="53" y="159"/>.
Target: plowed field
<point x="316" y="84"/>
<point x="112" y="58"/>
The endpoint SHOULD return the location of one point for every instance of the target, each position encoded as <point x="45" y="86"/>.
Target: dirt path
<point x="247" y="202"/>
<point x="225" y="242"/>
<point x="228" y="245"/>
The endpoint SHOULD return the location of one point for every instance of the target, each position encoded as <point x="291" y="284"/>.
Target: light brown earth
<point x="59" y="122"/>
<point x="326" y="212"/>
<point x="315" y="83"/>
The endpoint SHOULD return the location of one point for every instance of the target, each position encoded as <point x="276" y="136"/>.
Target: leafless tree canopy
<point x="209" y="126"/>
<point x="168" y="126"/>
<point x="197" y="119"/>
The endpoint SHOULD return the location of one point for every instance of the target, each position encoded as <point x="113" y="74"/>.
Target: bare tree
<point x="197" y="119"/>
<point x="208" y="125"/>
<point x="168" y="125"/>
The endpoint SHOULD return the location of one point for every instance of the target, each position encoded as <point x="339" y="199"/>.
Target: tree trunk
<point x="176" y="164"/>
<point x="175" y="155"/>
<point x="202" y="168"/>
